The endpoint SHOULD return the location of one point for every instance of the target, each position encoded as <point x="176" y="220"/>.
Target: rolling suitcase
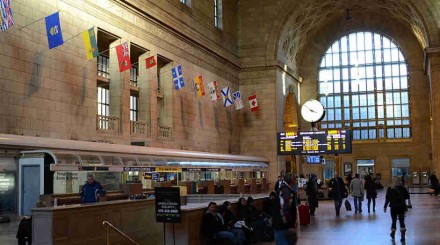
<point x="304" y="214"/>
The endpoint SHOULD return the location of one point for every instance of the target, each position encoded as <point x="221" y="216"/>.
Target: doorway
<point x="365" y="167"/>
<point x="31" y="188"/>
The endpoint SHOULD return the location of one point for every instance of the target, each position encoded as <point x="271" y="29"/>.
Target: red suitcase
<point x="304" y="214"/>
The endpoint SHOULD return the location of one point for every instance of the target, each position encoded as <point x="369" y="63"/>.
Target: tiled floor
<point x="423" y="224"/>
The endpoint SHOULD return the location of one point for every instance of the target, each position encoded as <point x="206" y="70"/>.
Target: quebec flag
<point x="226" y="94"/>
<point x="178" y="77"/>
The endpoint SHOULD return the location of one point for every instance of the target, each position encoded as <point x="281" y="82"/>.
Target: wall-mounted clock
<point x="312" y="111"/>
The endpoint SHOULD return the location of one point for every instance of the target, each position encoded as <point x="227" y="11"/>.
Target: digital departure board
<point x="314" y="142"/>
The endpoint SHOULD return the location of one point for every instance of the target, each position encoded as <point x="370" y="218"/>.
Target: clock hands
<point x="310" y="109"/>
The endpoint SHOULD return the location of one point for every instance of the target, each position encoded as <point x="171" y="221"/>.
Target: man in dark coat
<point x="337" y="189"/>
<point x="91" y="190"/>
<point x="312" y="194"/>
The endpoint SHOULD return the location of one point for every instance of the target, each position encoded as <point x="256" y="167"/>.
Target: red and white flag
<point x="150" y="62"/>
<point x="253" y="102"/>
<point x="123" y="54"/>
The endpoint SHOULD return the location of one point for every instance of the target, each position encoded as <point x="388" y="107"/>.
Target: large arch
<point x="296" y="22"/>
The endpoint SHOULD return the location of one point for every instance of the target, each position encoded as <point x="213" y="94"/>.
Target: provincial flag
<point x="178" y="77"/>
<point x="226" y="94"/>
<point x="198" y="86"/>
<point x="213" y="90"/>
<point x="237" y="100"/>
<point x="6" y="19"/>
<point x="123" y="54"/>
<point x="90" y="45"/>
<point x="150" y="62"/>
<point x="253" y="102"/>
<point x="53" y="30"/>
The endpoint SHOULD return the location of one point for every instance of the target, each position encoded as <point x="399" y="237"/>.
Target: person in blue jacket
<point x="90" y="190"/>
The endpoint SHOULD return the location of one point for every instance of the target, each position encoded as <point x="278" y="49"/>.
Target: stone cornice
<point x="270" y="65"/>
<point x="429" y="52"/>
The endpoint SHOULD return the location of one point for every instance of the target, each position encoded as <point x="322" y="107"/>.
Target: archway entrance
<point x="291" y="125"/>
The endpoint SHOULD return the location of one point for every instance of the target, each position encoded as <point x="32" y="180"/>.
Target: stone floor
<point x="423" y="224"/>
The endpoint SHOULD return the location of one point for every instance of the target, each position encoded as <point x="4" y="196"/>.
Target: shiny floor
<point x="422" y="221"/>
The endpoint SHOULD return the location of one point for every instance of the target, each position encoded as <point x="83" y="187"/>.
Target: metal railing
<point x="139" y="128"/>
<point x="165" y="132"/>
<point x="109" y="226"/>
<point x="107" y="123"/>
<point x="103" y="66"/>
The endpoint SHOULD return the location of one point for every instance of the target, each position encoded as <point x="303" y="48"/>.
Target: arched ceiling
<point x="309" y="16"/>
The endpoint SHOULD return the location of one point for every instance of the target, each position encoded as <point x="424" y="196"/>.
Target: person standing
<point x="284" y="216"/>
<point x="433" y="180"/>
<point x="278" y="183"/>
<point x="357" y="191"/>
<point x="91" y="190"/>
<point x="312" y="194"/>
<point x="371" y="189"/>
<point x="337" y="188"/>
<point x="395" y="198"/>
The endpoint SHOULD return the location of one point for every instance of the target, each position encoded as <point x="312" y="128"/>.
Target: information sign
<point x="167" y="204"/>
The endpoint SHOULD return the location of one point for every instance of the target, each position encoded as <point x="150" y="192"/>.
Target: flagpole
<point x="35" y="21"/>
<point x="77" y="35"/>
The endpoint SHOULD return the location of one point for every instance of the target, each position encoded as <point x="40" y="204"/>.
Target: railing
<point x="103" y="66"/>
<point x="165" y="132"/>
<point x="139" y="128"/>
<point x="109" y="226"/>
<point x="107" y="123"/>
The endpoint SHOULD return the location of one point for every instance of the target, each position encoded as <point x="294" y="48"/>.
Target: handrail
<point x="104" y="223"/>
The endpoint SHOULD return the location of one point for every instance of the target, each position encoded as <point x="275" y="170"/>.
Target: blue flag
<point x="53" y="30"/>
<point x="178" y="77"/>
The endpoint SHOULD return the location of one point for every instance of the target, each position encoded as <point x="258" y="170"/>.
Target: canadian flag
<point x="253" y="102"/>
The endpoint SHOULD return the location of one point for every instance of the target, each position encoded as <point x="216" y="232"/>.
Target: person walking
<point x="312" y="194"/>
<point x="406" y="185"/>
<point x="395" y="199"/>
<point x="371" y="189"/>
<point x="357" y="191"/>
<point x="279" y="183"/>
<point x="337" y="188"/>
<point x="91" y="190"/>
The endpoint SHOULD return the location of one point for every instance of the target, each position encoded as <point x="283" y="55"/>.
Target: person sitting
<point x="214" y="228"/>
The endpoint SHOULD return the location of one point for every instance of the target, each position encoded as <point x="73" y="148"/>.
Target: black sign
<point x="314" y="142"/>
<point x="139" y="169"/>
<point x="167" y="204"/>
<point x="8" y="198"/>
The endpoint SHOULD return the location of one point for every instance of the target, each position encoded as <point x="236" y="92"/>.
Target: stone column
<point x="148" y="86"/>
<point x="433" y="70"/>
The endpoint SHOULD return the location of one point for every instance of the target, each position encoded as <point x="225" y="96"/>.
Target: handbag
<point x="347" y="205"/>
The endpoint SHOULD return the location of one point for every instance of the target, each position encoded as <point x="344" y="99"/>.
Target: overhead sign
<point x="314" y="142"/>
<point x="151" y="176"/>
<point x="167" y="204"/>
<point x="138" y="169"/>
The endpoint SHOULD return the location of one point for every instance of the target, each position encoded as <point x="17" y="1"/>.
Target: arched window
<point x="363" y="84"/>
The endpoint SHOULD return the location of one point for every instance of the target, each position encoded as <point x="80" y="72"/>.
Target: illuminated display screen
<point x="313" y="159"/>
<point x="314" y="142"/>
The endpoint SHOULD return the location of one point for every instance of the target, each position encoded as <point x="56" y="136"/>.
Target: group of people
<point x="396" y="198"/>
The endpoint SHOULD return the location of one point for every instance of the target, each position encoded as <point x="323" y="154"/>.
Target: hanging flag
<point x="253" y="102"/>
<point x="226" y="94"/>
<point x="198" y="86"/>
<point x="6" y="19"/>
<point x="53" y="30"/>
<point x="90" y="45"/>
<point x="150" y="62"/>
<point x="178" y="77"/>
<point x="237" y="100"/>
<point x="213" y="90"/>
<point x="123" y="54"/>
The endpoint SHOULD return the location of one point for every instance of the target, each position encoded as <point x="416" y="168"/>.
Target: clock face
<point x="312" y="111"/>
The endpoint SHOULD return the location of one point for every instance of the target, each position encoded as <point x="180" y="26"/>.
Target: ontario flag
<point x="150" y="62"/>
<point x="123" y="57"/>
<point x="213" y="91"/>
<point x="253" y="102"/>
<point x="6" y="19"/>
<point x="198" y="86"/>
